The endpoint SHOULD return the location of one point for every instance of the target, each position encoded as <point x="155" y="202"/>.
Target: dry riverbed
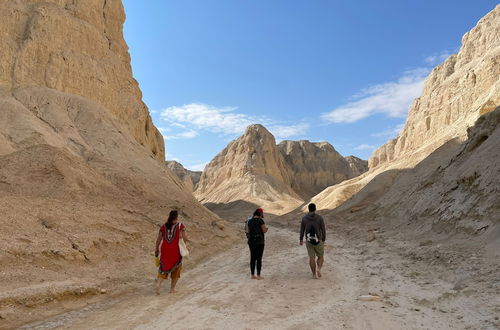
<point x="219" y="294"/>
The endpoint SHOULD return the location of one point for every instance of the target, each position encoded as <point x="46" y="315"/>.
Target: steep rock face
<point x="81" y="192"/>
<point x="460" y="192"/>
<point x="455" y="94"/>
<point x="314" y="166"/>
<point x="254" y="170"/>
<point x="357" y="165"/>
<point x="189" y="178"/>
<point x="249" y="169"/>
<point x="75" y="47"/>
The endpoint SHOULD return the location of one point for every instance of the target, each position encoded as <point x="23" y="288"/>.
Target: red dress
<point x="170" y="256"/>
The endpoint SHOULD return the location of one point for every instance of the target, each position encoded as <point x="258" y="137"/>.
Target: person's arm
<point x="263" y="227"/>
<point x="158" y="241"/>
<point x="302" y="230"/>
<point x="323" y="228"/>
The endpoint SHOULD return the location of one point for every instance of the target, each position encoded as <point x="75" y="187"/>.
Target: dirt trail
<point x="218" y="294"/>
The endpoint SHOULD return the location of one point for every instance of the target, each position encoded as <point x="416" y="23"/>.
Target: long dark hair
<point x="171" y="217"/>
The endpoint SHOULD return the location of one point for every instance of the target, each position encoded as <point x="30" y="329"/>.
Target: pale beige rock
<point x="253" y="171"/>
<point x="189" y="178"/>
<point x="358" y="166"/>
<point x="75" y="47"/>
<point x="455" y="189"/>
<point x="455" y="94"/>
<point x="82" y="190"/>
<point x="316" y="165"/>
<point x="249" y="169"/>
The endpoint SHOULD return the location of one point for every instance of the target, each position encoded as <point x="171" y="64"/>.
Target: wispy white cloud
<point x="365" y="147"/>
<point x="390" y="132"/>
<point x="283" y="132"/>
<point x="171" y="157"/>
<point x="196" y="167"/>
<point x="223" y="120"/>
<point x="189" y="134"/>
<point x="204" y="116"/>
<point x="391" y="98"/>
<point x="439" y="57"/>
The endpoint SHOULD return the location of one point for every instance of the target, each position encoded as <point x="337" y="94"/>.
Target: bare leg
<point x="312" y="264"/>
<point x="320" y="264"/>
<point x="172" y="284"/>
<point x="159" y="281"/>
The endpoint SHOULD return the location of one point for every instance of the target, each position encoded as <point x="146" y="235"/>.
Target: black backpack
<point x="255" y="234"/>
<point x="312" y="237"/>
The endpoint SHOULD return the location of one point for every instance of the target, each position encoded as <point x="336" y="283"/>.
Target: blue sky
<point x="340" y="71"/>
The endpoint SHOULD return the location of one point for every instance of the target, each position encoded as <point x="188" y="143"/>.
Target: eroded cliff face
<point x="456" y="190"/>
<point x="315" y="166"/>
<point x="189" y="178"/>
<point x="357" y="165"/>
<point x="82" y="192"/>
<point x="254" y="170"/>
<point x="455" y="94"/>
<point x="249" y="169"/>
<point x="75" y="47"/>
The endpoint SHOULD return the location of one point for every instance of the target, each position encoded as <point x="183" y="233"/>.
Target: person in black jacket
<point x="313" y="226"/>
<point x="257" y="228"/>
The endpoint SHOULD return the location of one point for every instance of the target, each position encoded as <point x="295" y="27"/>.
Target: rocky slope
<point x="315" y="166"/>
<point x="82" y="190"/>
<point x="358" y="166"/>
<point x="455" y="189"/>
<point x="456" y="93"/>
<point x="189" y="178"/>
<point x="76" y="47"/>
<point x="253" y="171"/>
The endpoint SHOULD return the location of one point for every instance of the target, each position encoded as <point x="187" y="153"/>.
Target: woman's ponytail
<point x="171" y="217"/>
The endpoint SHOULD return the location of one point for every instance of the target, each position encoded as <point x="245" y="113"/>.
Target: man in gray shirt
<point x="313" y="226"/>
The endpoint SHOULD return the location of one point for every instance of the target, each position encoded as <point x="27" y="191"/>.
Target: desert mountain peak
<point x="255" y="170"/>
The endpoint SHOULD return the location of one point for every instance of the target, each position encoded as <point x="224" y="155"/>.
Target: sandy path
<point x="218" y="294"/>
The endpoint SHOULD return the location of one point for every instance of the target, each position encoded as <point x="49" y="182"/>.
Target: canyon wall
<point x="76" y="47"/>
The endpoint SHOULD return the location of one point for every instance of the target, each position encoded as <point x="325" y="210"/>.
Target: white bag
<point x="182" y="245"/>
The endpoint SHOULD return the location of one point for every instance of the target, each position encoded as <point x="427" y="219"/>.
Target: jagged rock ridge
<point x="254" y="169"/>
<point x="189" y="178"/>
<point x="249" y="169"/>
<point x="455" y="94"/>
<point x="358" y="166"/>
<point x="315" y="166"/>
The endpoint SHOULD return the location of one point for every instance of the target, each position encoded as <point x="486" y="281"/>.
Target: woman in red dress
<point x="170" y="261"/>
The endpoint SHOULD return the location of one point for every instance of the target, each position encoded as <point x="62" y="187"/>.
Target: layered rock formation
<point x="456" y="188"/>
<point x="82" y="192"/>
<point x="249" y="169"/>
<point x="358" y="166"/>
<point x="315" y="166"/>
<point x="253" y="169"/>
<point x="189" y="178"/>
<point x="76" y="47"/>
<point x="456" y="93"/>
